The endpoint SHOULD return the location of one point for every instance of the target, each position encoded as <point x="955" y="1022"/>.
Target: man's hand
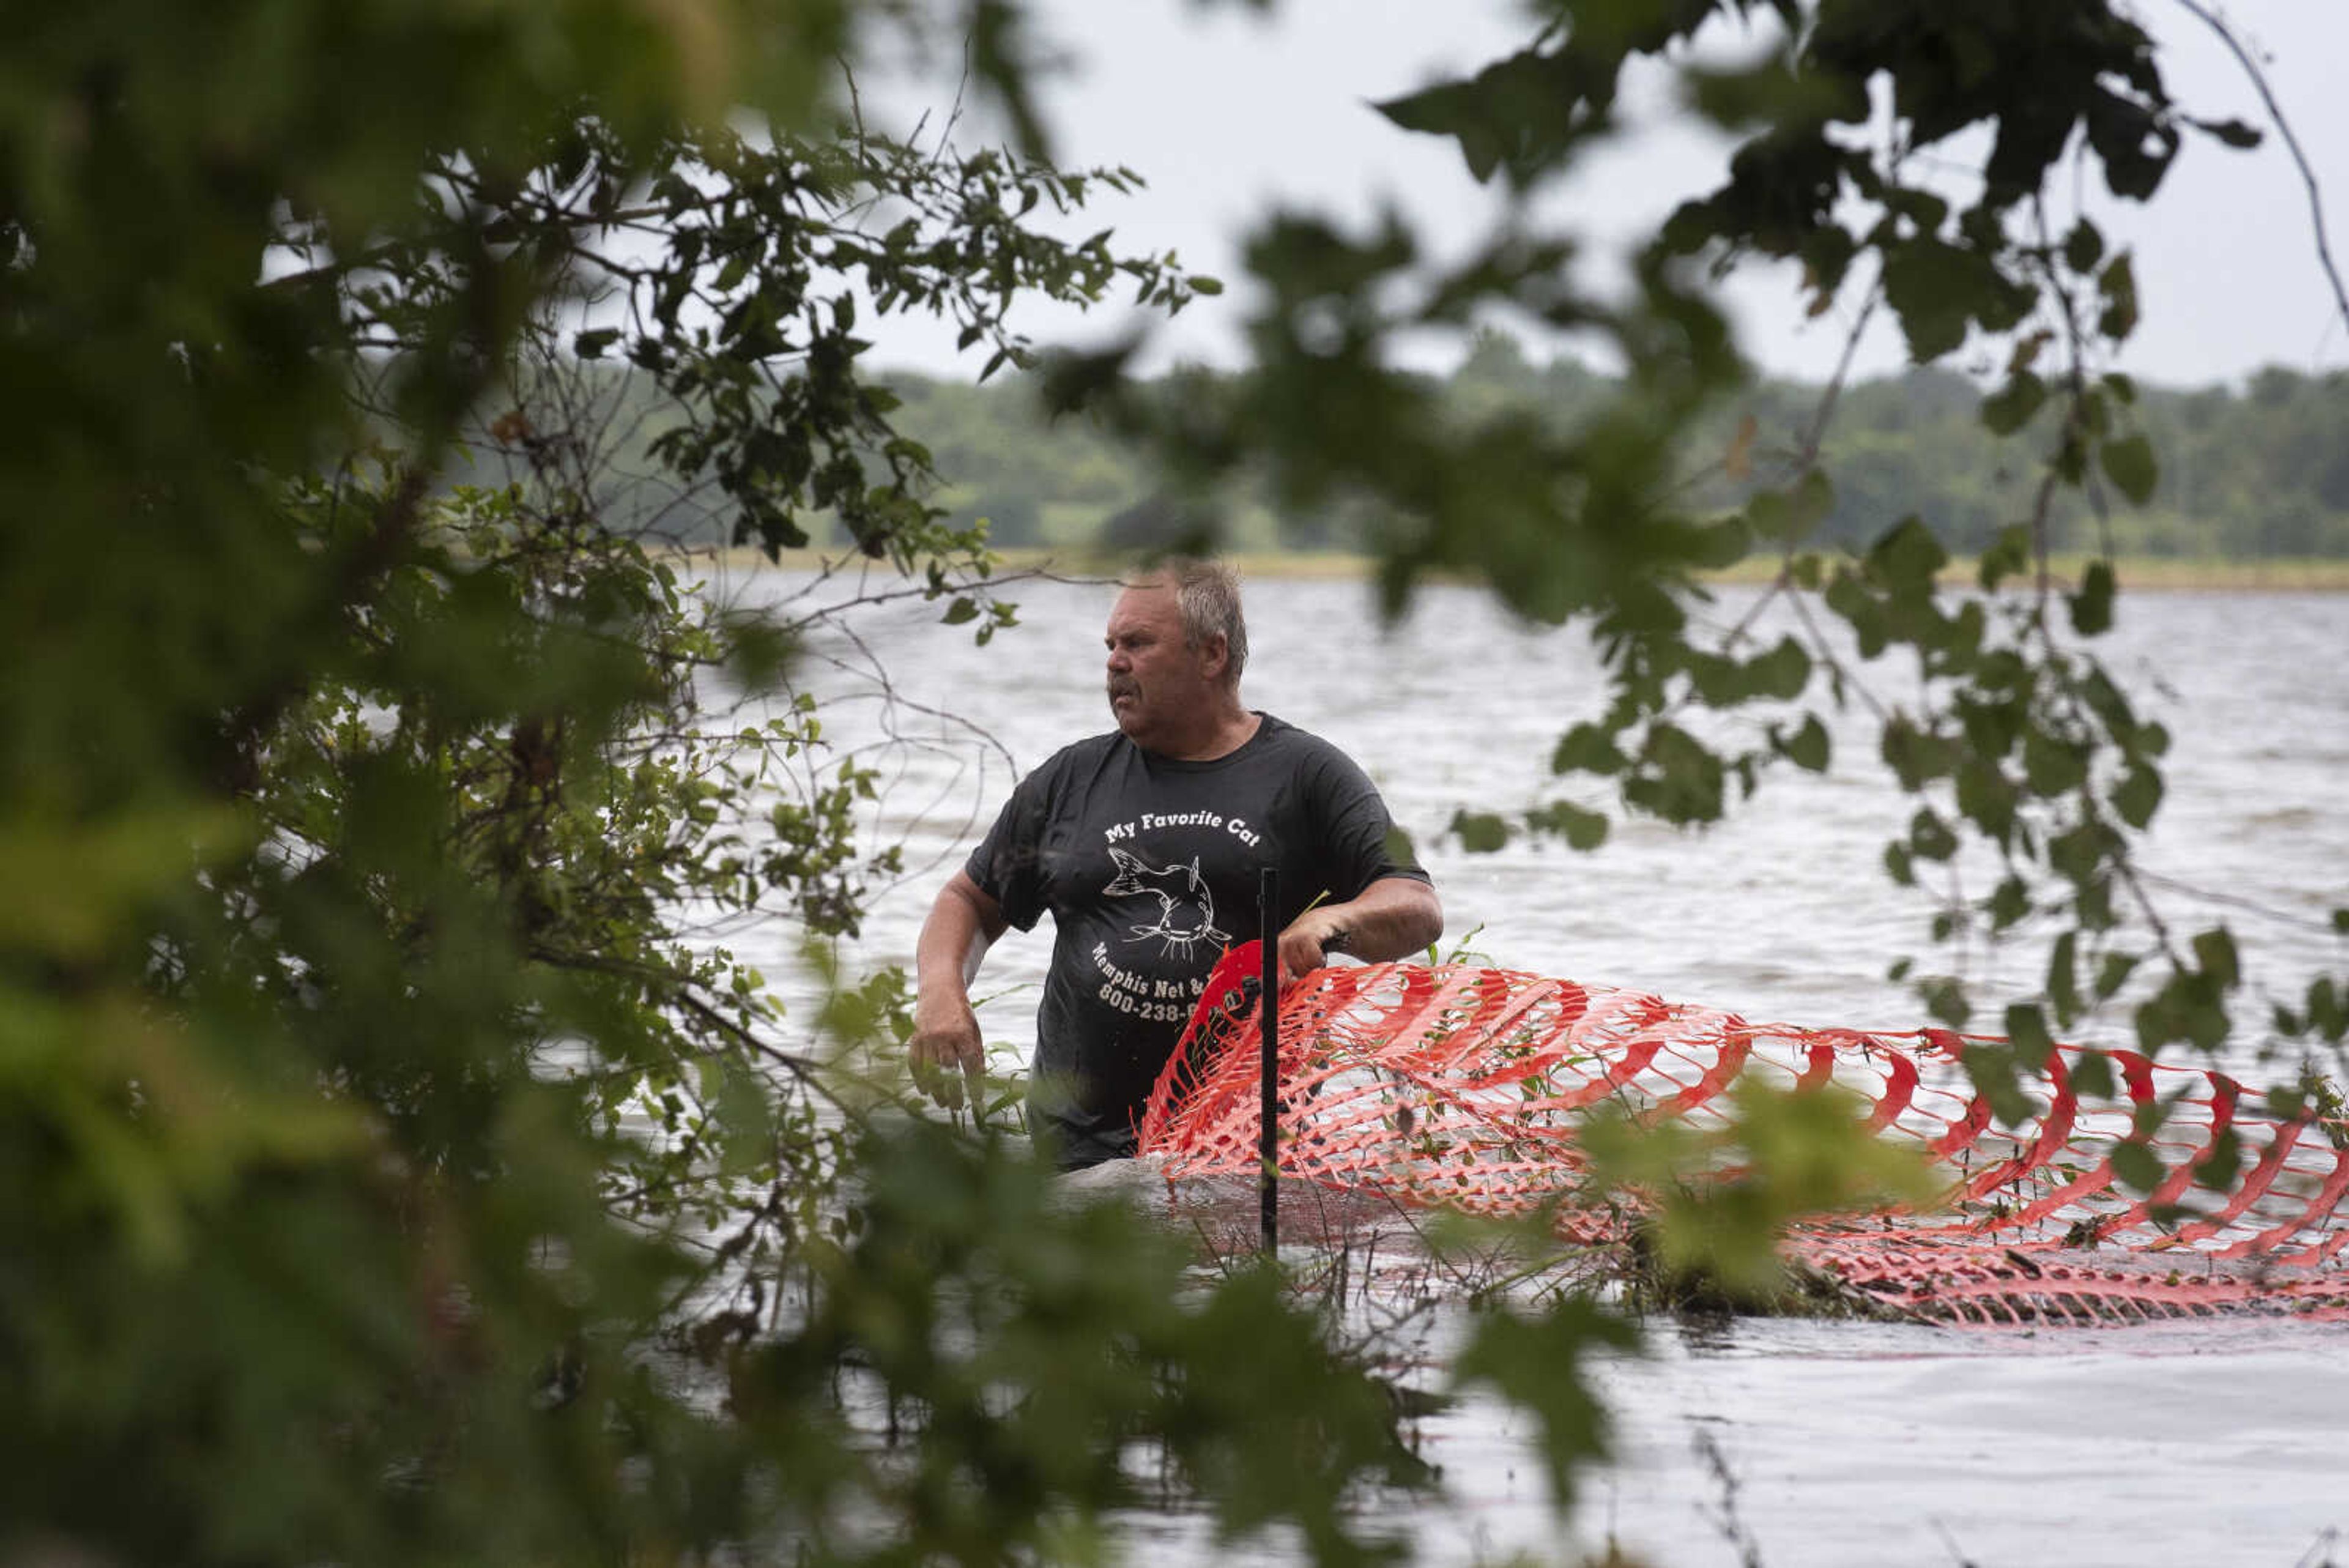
<point x="946" y="1051"/>
<point x="1394" y="917"/>
<point x="1308" y="943"/>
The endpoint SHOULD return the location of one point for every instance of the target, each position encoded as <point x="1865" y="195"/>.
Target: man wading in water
<point x="1144" y="846"/>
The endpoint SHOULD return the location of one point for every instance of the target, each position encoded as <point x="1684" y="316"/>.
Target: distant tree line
<point x="2256" y="472"/>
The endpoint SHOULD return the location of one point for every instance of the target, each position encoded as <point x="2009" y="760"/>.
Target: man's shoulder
<point x="1276" y="740"/>
<point x="1277" y="735"/>
<point x="1077" y="760"/>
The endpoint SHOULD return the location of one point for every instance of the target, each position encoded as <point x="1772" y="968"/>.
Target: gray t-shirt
<point x="1149" y="868"/>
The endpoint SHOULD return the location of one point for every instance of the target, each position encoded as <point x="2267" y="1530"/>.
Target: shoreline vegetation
<point x="2248" y="487"/>
<point x="2139" y="573"/>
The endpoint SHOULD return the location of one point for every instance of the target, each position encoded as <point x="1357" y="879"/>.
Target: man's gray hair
<point x="1208" y="595"/>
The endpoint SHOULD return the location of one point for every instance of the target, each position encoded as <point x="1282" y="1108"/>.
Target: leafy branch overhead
<point x="729" y="268"/>
<point x="1913" y="158"/>
<point x="402" y="1160"/>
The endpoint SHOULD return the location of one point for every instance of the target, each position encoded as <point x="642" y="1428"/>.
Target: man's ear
<point x="1216" y="656"/>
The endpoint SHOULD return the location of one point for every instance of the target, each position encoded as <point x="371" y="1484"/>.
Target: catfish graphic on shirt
<point x="1186" y="905"/>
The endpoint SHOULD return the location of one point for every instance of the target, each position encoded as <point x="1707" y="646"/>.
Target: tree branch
<point x="2308" y="176"/>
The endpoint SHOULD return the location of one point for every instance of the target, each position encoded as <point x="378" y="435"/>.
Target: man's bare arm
<point x="946" y="1047"/>
<point x="1394" y="917"/>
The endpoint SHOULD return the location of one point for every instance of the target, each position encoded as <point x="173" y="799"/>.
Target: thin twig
<point x="2300" y="158"/>
<point x="2311" y="923"/>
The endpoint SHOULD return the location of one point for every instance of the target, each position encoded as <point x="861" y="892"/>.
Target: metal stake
<point x="1267" y="916"/>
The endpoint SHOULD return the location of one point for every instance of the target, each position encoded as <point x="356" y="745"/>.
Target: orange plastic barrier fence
<point x="1463" y="1086"/>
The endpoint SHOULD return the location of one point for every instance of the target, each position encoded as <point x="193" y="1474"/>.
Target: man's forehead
<point x="1144" y="602"/>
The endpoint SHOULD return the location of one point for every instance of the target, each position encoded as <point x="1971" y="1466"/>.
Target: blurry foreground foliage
<point x="394" y="1172"/>
<point x="391" y="1175"/>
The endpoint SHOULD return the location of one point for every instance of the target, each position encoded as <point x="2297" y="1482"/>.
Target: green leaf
<point x="2233" y="132"/>
<point x="962" y="609"/>
<point x="2118" y="285"/>
<point x="2218" y="1170"/>
<point x="2092" y="607"/>
<point x="1945" y="998"/>
<point x="2026" y="1027"/>
<point x="1581" y="829"/>
<point x="1930" y="837"/>
<point x="1992" y="723"/>
<point x="1987" y="797"/>
<point x="1808" y="748"/>
<point x="2010" y="408"/>
<point x="1937" y="289"/>
<point x="1518" y="115"/>
<point x="2130" y="464"/>
<point x="2052" y="766"/>
<point x="2138" y="795"/>
<point x="69" y="889"/>
<point x="1588" y="748"/>
<point x="2328" y="1008"/>
<point x="2063" y="979"/>
<point x="1479" y="832"/>
<point x="2010" y="904"/>
<point x="1788" y="517"/>
<point x="1782" y="672"/>
<point x="1850" y="597"/>
<point x="2008" y="554"/>
<point x="1771" y="516"/>
<point x="1767" y="94"/>
<point x="2084" y="247"/>
<point x="2112" y="973"/>
<point x="1915" y="757"/>
<point x="2079" y="855"/>
<point x="1680" y="779"/>
<point x="1907" y="557"/>
<point x="2189" y="1007"/>
<point x="1991" y="1071"/>
<point x="2136" y="1167"/>
<point x="1814" y="499"/>
<point x="1717" y="546"/>
<point x="2214" y="951"/>
<point x="2092" y="1077"/>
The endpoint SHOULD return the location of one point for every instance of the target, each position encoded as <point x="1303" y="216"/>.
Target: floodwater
<point x="1784" y="1443"/>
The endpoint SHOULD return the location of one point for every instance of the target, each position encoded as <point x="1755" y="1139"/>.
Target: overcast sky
<point x="1227" y="114"/>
